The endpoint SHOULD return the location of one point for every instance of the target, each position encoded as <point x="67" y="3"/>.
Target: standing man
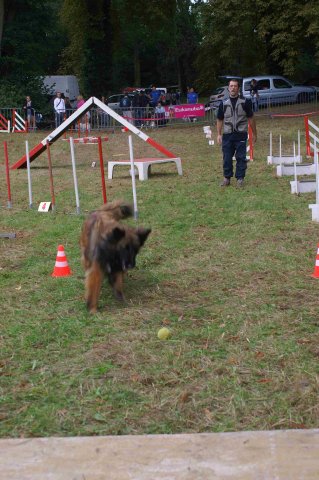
<point x="254" y="94"/>
<point x="232" y="132"/>
<point x="59" y="108"/>
<point x="192" y="96"/>
<point x="154" y="96"/>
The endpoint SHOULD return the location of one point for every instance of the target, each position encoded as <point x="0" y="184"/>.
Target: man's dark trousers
<point x="234" y="144"/>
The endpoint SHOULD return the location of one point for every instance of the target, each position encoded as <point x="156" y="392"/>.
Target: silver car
<point x="274" y="90"/>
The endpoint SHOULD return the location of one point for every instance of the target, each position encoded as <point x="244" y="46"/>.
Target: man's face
<point x="233" y="88"/>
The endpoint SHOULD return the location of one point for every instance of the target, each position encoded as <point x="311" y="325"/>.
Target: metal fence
<point x="147" y="118"/>
<point x="97" y="119"/>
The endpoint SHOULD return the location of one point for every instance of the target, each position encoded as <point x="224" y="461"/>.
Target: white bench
<point x="143" y="165"/>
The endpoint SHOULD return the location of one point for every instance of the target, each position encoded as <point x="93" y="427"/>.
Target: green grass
<point x="228" y="271"/>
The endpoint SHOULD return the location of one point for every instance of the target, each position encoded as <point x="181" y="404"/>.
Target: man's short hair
<point x="234" y="80"/>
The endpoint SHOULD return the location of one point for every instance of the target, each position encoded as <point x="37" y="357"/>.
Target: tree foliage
<point x="110" y="44"/>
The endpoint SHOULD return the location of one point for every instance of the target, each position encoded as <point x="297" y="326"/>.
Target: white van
<point x="66" y="84"/>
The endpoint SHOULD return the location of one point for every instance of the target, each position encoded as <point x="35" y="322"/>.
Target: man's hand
<point x="219" y="139"/>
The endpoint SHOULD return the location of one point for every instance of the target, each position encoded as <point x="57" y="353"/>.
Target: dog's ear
<point x="142" y="234"/>
<point x="126" y="210"/>
<point x="116" y="235"/>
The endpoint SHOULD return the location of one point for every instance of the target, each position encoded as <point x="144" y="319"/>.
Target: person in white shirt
<point x="59" y="108"/>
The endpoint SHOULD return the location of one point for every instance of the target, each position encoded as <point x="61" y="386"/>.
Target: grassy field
<point x="228" y="271"/>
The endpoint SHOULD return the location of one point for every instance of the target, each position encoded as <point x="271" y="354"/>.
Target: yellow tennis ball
<point x="163" y="333"/>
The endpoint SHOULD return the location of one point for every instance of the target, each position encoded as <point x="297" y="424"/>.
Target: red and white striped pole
<point x="50" y="175"/>
<point x="308" y="149"/>
<point x="6" y="157"/>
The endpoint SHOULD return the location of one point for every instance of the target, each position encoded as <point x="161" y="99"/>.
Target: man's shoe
<point x="225" y="182"/>
<point x="240" y="182"/>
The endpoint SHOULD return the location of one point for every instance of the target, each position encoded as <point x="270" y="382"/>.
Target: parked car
<point x="275" y="89"/>
<point x="220" y="93"/>
<point x="114" y="100"/>
<point x="313" y="82"/>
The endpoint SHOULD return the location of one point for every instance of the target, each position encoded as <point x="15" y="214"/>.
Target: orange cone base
<point x="316" y="270"/>
<point x="61" y="272"/>
<point x="61" y="268"/>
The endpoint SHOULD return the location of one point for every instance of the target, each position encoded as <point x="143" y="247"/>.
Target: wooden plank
<point x="280" y="455"/>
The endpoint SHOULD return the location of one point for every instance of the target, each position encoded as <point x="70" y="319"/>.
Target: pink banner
<point x="189" y="110"/>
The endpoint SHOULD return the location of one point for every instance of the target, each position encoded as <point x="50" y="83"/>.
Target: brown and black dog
<point x="109" y="248"/>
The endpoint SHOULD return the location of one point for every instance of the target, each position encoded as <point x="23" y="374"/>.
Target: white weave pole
<point x="299" y="146"/>
<point x="295" y="169"/>
<point x="29" y="172"/>
<point x="77" y="200"/>
<point x="133" y="176"/>
<point x="270" y="144"/>
<point x="280" y="146"/>
<point x="317" y="173"/>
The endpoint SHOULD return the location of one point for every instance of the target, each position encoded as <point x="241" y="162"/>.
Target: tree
<point x="230" y="43"/>
<point x="291" y="39"/>
<point x="88" y="54"/>
<point x="29" y="48"/>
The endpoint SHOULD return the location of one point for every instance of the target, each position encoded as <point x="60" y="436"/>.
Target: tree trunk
<point x="137" y="67"/>
<point x="1" y="21"/>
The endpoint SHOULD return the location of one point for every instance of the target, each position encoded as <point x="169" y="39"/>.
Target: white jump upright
<point x="281" y="159"/>
<point x="294" y="184"/>
<point x="302" y="168"/>
<point x="208" y="135"/>
<point x="130" y="143"/>
<point x="315" y="206"/>
<point x="303" y="185"/>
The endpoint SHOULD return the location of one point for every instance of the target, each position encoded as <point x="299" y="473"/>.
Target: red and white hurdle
<point x="312" y="133"/>
<point x="19" y="125"/>
<point x="4" y="124"/>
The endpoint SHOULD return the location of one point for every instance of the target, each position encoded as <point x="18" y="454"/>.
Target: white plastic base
<point x="304" y="186"/>
<point x="301" y="168"/>
<point x="144" y="165"/>
<point x="272" y="160"/>
<point x="315" y="212"/>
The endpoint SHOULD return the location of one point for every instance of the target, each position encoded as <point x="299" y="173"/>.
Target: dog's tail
<point x="118" y="209"/>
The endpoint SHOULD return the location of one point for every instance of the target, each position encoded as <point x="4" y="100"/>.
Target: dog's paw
<point x="119" y="295"/>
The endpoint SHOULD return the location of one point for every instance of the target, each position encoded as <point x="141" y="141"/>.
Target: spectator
<point x="84" y="120"/>
<point x="79" y="101"/>
<point x="59" y="108"/>
<point x="135" y="109"/>
<point x="125" y="105"/>
<point x="192" y="96"/>
<point x="143" y="102"/>
<point x="232" y="126"/>
<point x="160" y="115"/>
<point x="154" y="96"/>
<point x="103" y="117"/>
<point x="29" y="112"/>
<point x="254" y="94"/>
<point x="68" y="107"/>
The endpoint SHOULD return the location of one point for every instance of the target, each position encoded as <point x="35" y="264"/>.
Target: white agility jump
<point x="36" y="151"/>
<point x="282" y="159"/>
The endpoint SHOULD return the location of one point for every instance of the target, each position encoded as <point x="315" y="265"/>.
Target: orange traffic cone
<point x="61" y="268"/>
<point x="316" y="270"/>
